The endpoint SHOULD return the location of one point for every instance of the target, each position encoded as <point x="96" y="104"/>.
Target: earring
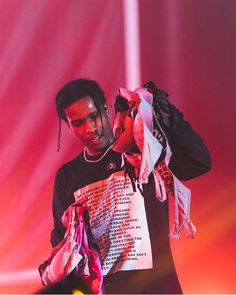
<point x="106" y="110"/>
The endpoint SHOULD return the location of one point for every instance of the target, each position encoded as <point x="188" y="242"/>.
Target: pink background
<point x="188" y="47"/>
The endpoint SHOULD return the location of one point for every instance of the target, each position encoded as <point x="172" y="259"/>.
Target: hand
<point x="167" y="114"/>
<point x="132" y="100"/>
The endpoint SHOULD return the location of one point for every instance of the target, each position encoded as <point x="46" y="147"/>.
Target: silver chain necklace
<point x="97" y="160"/>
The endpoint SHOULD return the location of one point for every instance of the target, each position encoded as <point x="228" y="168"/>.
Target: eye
<point x="93" y="116"/>
<point x="77" y="123"/>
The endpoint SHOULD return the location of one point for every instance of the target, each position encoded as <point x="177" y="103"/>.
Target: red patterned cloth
<point x="181" y="196"/>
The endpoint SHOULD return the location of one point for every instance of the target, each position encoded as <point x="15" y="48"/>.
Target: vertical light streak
<point x="132" y="44"/>
<point x="173" y="30"/>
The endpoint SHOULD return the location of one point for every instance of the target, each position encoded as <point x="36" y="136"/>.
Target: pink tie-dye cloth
<point x="73" y="253"/>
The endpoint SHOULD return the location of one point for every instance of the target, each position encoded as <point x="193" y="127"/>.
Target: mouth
<point x="95" y="139"/>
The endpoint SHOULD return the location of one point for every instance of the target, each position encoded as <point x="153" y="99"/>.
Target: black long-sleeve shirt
<point x="190" y="158"/>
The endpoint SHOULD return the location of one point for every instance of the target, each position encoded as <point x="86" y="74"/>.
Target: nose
<point x="90" y="126"/>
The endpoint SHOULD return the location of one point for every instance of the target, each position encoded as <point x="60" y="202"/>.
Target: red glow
<point x="187" y="49"/>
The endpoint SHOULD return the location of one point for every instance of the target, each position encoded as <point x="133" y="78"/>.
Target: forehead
<point x="81" y="108"/>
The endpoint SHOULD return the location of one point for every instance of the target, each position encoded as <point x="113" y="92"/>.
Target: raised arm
<point x="190" y="156"/>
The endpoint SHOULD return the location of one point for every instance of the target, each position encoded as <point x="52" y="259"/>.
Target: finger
<point x="131" y="96"/>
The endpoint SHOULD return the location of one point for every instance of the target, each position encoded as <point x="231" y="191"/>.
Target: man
<point x="129" y="226"/>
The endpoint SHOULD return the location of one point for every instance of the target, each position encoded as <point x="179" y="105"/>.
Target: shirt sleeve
<point x="190" y="156"/>
<point x="61" y="201"/>
<point x="59" y="204"/>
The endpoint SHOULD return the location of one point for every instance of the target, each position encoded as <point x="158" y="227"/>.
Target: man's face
<point x="93" y="131"/>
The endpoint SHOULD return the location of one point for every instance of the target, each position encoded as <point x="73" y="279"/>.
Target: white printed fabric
<point x="118" y="224"/>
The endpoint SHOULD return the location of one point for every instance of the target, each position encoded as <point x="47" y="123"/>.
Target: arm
<point x="61" y="201"/>
<point x="59" y="204"/>
<point x="190" y="156"/>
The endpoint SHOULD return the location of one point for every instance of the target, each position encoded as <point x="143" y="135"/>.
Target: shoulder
<point x="77" y="161"/>
<point x="70" y="167"/>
